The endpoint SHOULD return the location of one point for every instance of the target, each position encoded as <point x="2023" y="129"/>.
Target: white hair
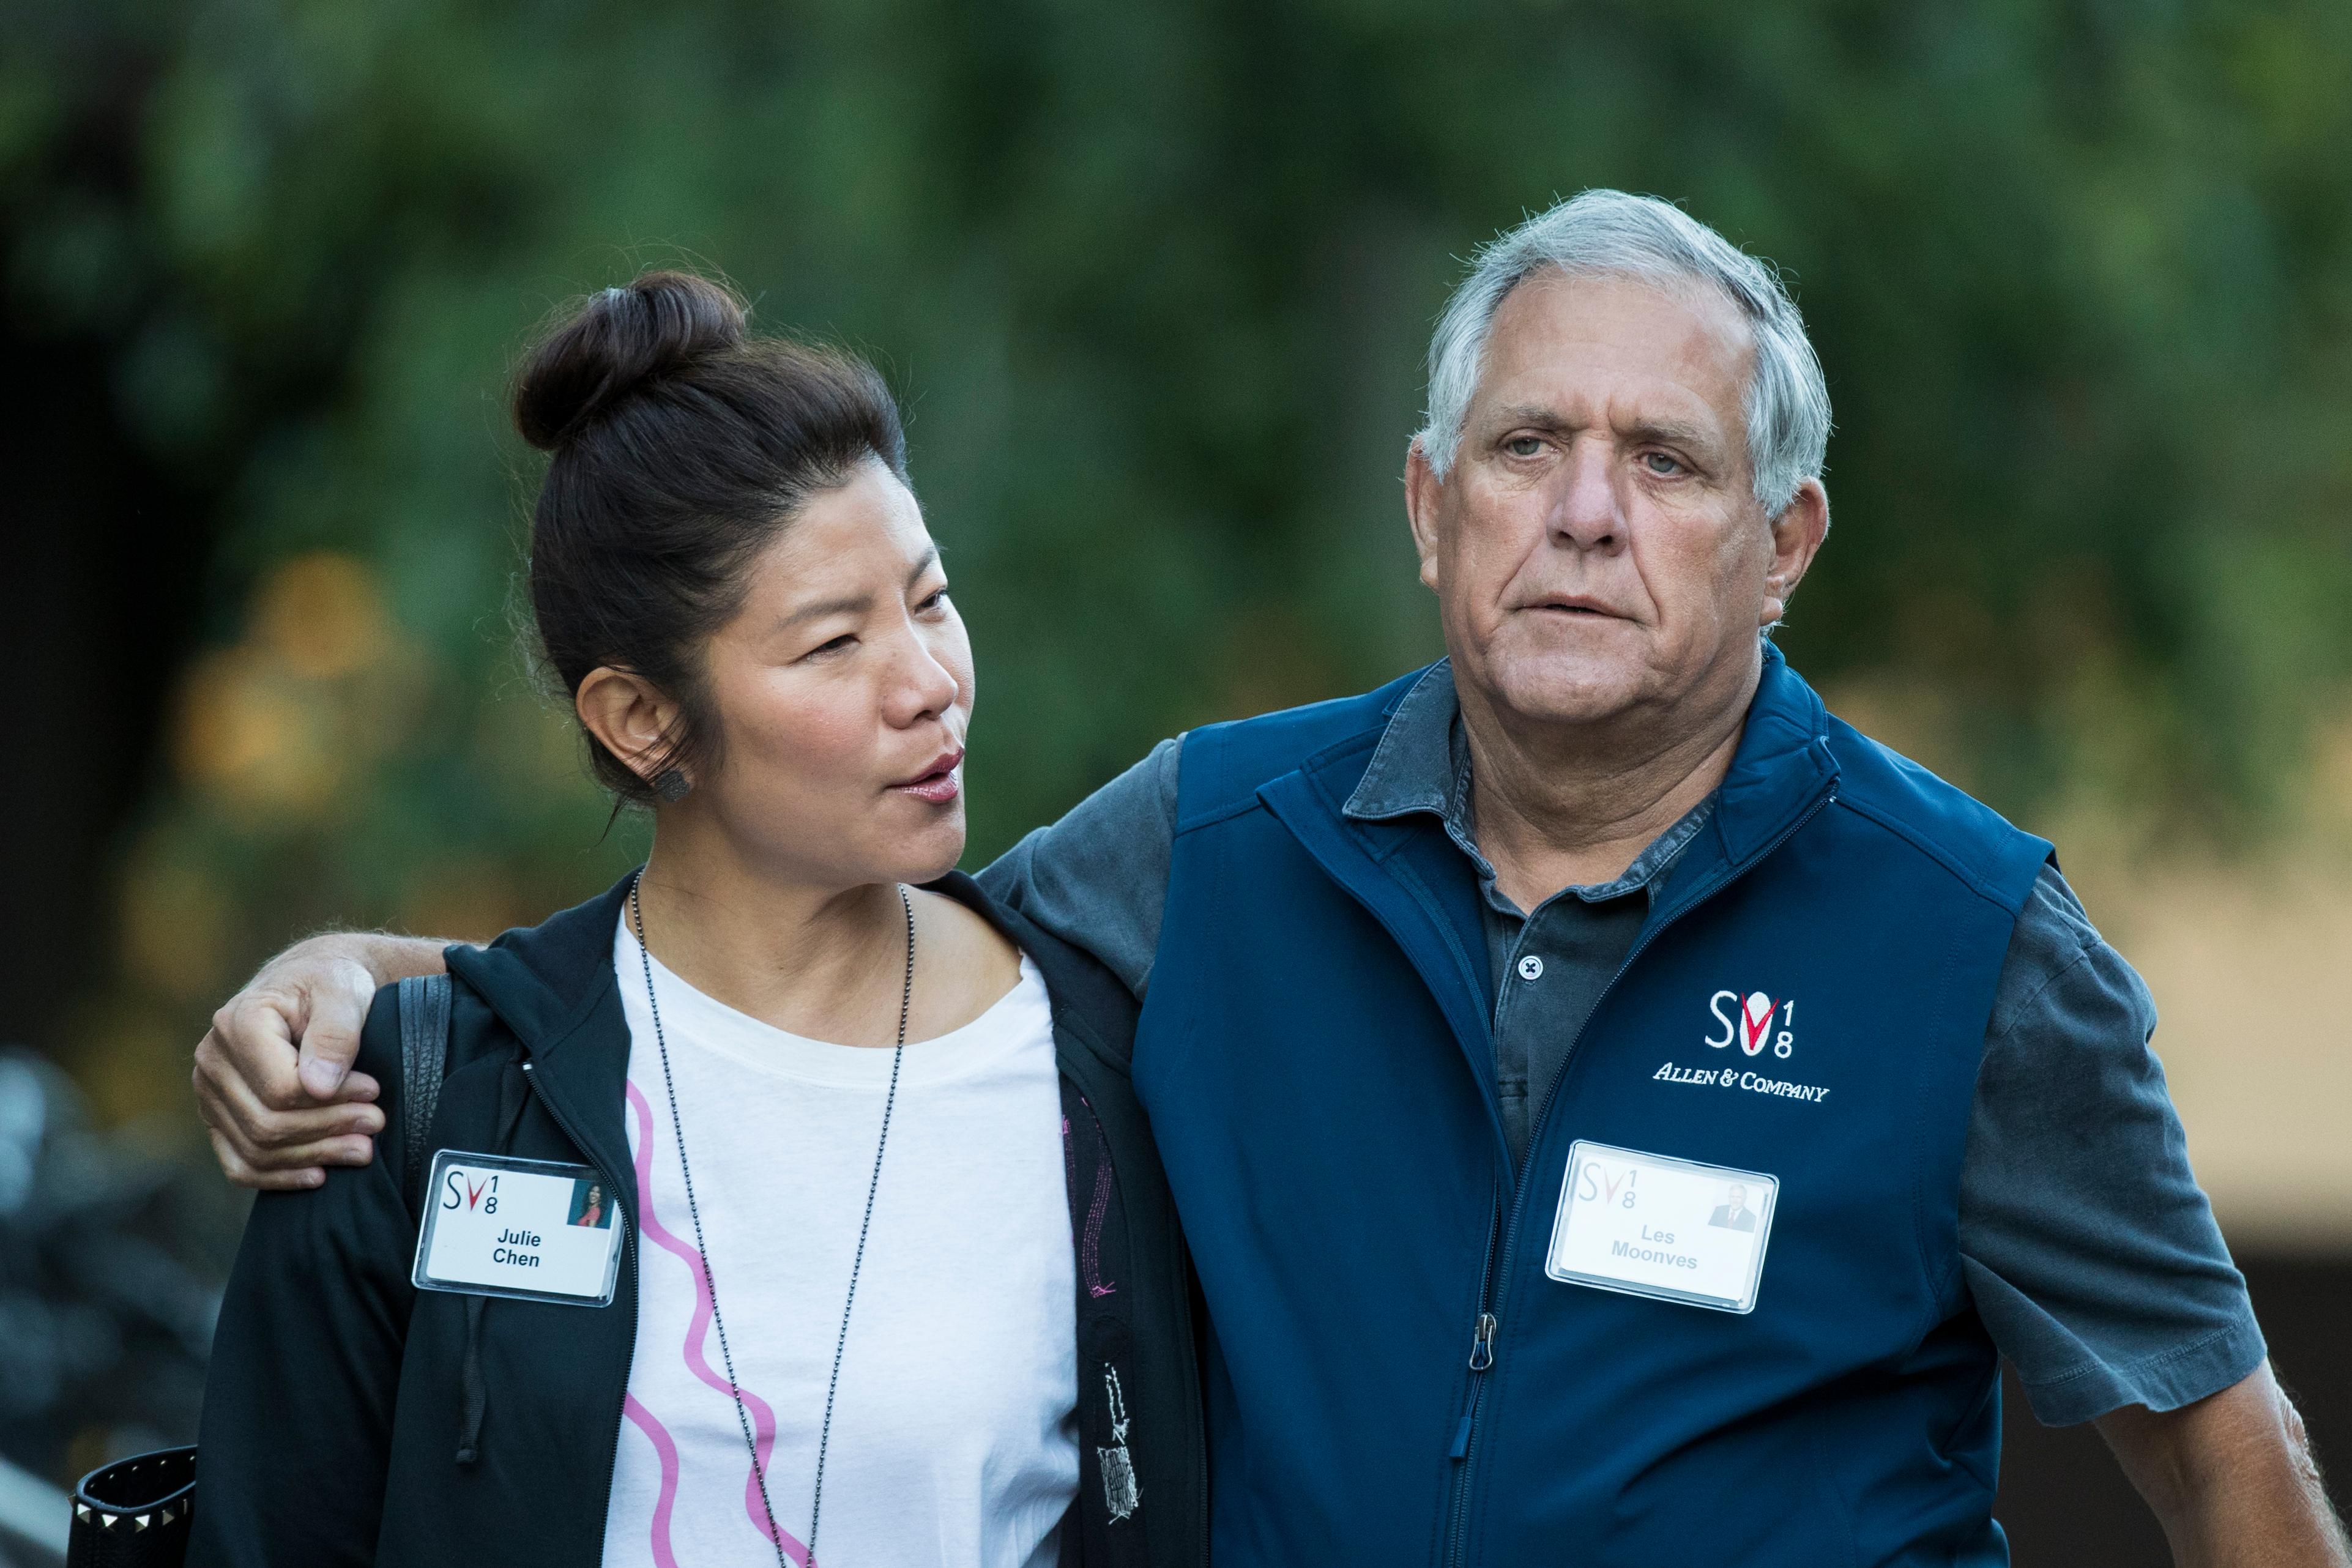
<point x="1611" y="234"/>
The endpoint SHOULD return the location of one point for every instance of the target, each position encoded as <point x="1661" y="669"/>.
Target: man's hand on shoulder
<point x="273" y="1075"/>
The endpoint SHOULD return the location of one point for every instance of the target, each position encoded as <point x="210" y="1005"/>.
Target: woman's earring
<point x="671" y="785"/>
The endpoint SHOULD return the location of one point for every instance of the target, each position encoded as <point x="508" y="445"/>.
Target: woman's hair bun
<point x="616" y="340"/>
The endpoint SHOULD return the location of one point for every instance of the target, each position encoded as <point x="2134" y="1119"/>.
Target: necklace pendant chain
<point x="873" y="1184"/>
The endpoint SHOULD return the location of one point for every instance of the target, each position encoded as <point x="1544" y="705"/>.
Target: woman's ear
<point x="629" y="716"/>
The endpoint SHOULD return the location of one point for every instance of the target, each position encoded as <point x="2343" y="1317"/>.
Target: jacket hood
<point x="543" y="981"/>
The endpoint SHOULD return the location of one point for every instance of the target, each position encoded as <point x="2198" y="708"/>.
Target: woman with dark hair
<point x="892" y="1264"/>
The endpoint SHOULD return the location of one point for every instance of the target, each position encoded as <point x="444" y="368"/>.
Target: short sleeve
<point x="2090" y="1250"/>
<point x="1099" y="877"/>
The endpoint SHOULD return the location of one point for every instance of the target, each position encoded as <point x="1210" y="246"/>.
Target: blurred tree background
<point x="1153" y="283"/>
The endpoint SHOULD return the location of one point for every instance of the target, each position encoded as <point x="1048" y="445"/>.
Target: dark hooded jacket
<point x="351" y="1418"/>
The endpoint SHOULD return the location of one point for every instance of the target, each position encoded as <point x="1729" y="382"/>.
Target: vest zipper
<point x="1481" y="1362"/>
<point x="629" y="1257"/>
<point x="1466" y="1436"/>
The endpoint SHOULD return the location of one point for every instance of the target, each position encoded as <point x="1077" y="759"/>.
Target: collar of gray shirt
<point x="1422" y="764"/>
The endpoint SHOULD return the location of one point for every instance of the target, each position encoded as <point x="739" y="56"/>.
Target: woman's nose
<point x="925" y="687"/>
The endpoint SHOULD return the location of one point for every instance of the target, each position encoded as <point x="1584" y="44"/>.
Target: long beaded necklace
<point x="678" y="1131"/>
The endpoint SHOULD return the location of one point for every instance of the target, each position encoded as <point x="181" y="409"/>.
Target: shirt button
<point x="1531" y="968"/>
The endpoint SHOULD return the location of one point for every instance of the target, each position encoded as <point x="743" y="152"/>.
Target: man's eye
<point x="1523" y="447"/>
<point x="1660" y="464"/>
<point x="935" y="600"/>
<point x="833" y="645"/>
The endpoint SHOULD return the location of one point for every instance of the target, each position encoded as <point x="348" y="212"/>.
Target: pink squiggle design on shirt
<point x="664" y="1450"/>
<point x="763" y="1419"/>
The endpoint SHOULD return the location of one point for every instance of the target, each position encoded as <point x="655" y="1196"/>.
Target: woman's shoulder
<point x="536" y="978"/>
<point x="452" y="1016"/>
<point x="964" y="963"/>
<point x="978" y="937"/>
<point x="1080" y="987"/>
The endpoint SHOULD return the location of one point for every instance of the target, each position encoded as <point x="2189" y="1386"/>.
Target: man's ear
<point x="1797" y="536"/>
<point x="1423" y="491"/>
<point x="629" y="716"/>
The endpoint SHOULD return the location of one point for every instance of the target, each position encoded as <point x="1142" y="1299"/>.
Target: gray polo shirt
<point x="2090" y="1250"/>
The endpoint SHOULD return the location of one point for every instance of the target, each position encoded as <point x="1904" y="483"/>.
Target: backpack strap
<point x="423" y="1058"/>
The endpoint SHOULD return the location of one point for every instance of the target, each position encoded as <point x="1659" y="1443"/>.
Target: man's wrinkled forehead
<point x="1669" y="353"/>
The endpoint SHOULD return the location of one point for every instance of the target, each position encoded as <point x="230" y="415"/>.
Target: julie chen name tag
<point x="532" y="1229"/>
<point x="1674" y="1230"/>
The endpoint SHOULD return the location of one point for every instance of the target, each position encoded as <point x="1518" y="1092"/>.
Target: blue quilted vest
<point x="1318" y="1064"/>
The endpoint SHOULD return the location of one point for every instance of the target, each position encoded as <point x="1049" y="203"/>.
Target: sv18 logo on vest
<point x="1750" y="1021"/>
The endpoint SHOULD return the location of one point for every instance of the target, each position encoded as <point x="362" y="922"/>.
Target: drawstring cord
<point x="474" y="1394"/>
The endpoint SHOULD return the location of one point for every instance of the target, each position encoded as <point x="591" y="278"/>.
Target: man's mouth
<point x="1576" y="604"/>
<point x="937" y="783"/>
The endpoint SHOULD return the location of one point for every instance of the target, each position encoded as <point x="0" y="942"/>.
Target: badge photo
<point x="532" y="1229"/>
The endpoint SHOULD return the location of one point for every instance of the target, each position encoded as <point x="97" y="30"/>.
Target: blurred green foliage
<point x="1153" y="282"/>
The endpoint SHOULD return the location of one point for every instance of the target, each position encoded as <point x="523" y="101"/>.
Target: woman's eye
<point x="833" y="645"/>
<point x="1658" y="462"/>
<point x="935" y="600"/>
<point x="1523" y="447"/>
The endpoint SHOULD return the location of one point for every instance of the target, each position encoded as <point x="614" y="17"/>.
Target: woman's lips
<point x="940" y="786"/>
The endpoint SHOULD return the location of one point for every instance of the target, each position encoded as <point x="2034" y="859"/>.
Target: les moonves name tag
<point x="532" y="1229"/>
<point x="1649" y="1224"/>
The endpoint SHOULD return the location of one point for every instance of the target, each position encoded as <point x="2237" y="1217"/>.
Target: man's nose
<point x="1586" y="511"/>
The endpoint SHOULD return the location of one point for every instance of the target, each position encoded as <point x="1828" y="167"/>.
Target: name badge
<point x="532" y="1229"/>
<point x="1650" y="1226"/>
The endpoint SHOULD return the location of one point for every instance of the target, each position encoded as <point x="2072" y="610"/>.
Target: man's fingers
<point x="252" y="1040"/>
<point x="268" y="1139"/>
<point x="353" y="1152"/>
<point x="338" y="1006"/>
<point x="273" y="1076"/>
<point x="233" y="1165"/>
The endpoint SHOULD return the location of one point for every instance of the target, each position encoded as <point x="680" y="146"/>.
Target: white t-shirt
<point x="954" y="1433"/>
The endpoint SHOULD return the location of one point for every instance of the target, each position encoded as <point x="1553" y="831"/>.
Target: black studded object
<point x="134" y="1514"/>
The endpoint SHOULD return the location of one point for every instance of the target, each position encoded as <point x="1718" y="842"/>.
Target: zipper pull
<point x="1482" y="1344"/>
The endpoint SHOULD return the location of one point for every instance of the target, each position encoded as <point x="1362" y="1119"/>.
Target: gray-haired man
<point x="1465" y="999"/>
